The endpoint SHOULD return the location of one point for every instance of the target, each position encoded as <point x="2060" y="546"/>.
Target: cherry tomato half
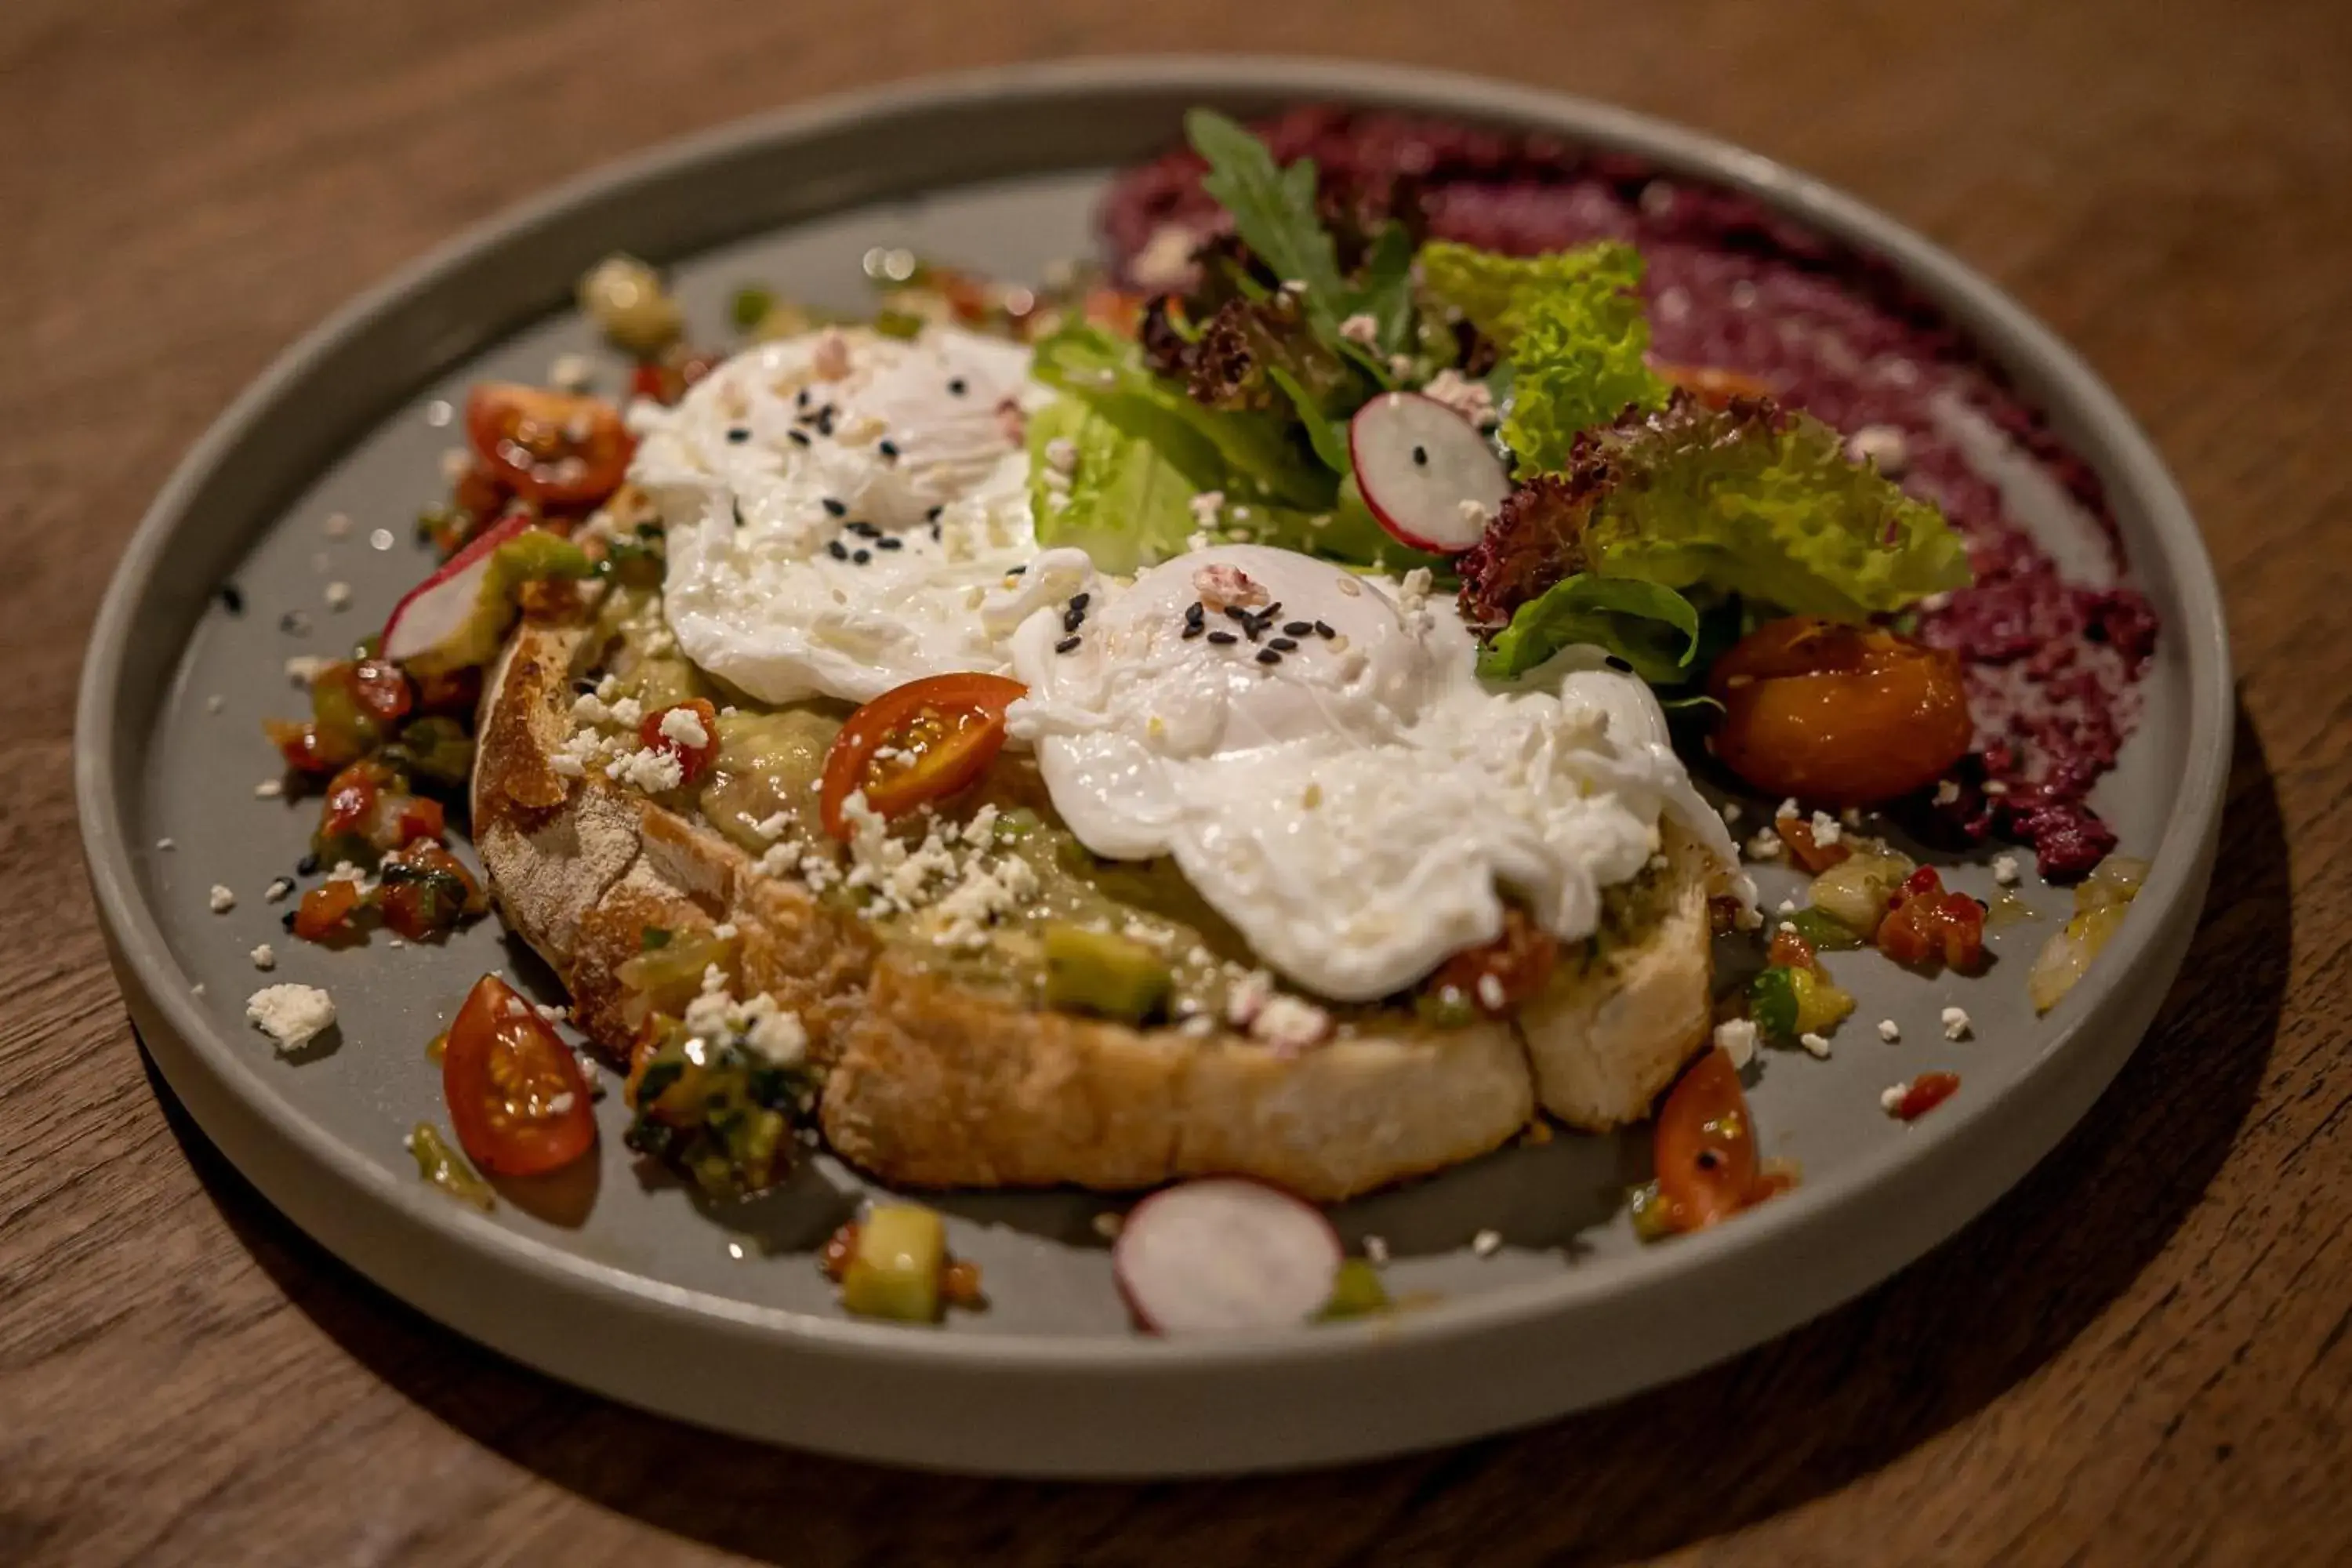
<point x="555" y="447"/>
<point x="1704" y="1147"/>
<point x="693" y="757"/>
<point x="917" y="743"/>
<point x="1838" y="715"/>
<point x="516" y="1095"/>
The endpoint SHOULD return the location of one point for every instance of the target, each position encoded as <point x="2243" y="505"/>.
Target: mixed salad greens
<point x="1647" y="520"/>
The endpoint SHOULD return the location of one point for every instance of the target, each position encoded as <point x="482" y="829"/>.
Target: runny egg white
<point x="842" y="510"/>
<point x="1355" y="804"/>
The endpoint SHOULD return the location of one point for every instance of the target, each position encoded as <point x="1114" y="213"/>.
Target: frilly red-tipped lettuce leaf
<point x="1569" y="325"/>
<point x="1749" y="500"/>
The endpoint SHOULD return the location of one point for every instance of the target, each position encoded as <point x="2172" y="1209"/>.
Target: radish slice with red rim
<point x="1431" y="480"/>
<point x="1224" y="1255"/>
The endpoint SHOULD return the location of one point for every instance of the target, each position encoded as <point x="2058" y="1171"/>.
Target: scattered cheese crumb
<point x="1471" y="399"/>
<point x="1816" y="1046"/>
<point x="1890" y="1098"/>
<point x="1487" y="1242"/>
<point x="216" y="702"/>
<point x="2004" y="870"/>
<point x="1737" y="1038"/>
<point x="654" y="772"/>
<point x="571" y="373"/>
<point x="304" y="668"/>
<point x="293" y="1015"/>
<point x="223" y="900"/>
<point x="337" y="525"/>
<point x="1827" y="829"/>
<point x="1956" y="1023"/>
<point x="1946" y="792"/>
<point x="1205" y="508"/>
<point x="683" y="725"/>
<point x="1361" y="328"/>
<point x="167" y="845"/>
<point x="279" y="886"/>
<point x="263" y="958"/>
<point x="1889" y="1030"/>
<point x="1376" y="1250"/>
<point x="269" y="789"/>
<point x="1765" y="845"/>
<point x="1108" y="1224"/>
<point x="1491" y="996"/>
<point x="339" y="595"/>
<point x="1731" y="812"/>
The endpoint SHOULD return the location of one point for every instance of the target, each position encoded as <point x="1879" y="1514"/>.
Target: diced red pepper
<point x="1925" y="1092"/>
<point x="377" y="685"/>
<point x="328" y="910"/>
<point x="1810" y="854"/>
<point x="416" y="816"/>
<point x="1790" y="949"/>
<point x="1505" y="974"/>
<point x="1925" y="923"/>
<point x="352" y="798"/>
<point x="424" y="891"/>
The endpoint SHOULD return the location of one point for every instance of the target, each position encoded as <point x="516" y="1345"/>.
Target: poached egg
<point x="1317" y="753"/>
<point x="843" y="510"/>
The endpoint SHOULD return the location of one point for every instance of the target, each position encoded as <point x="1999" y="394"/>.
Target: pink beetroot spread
<point x="2052" y="664"/>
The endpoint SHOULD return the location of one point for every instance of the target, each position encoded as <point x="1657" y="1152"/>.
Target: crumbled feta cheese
<point x="1956" y="1023"/>
<point x="1246" y="997"/>
<point x="685" y="726"/>
<point x="269" y="789"/>
<point x="1491" y="996"/>
<point x="1376" y="1250"/>
<point x="1164" y="265"/>
<point x="223" y="900"/>
<point x="1737" y="1038"/>
<point x="654" y="772"/>
<point x="1471" y="399"/>
<point x="1946" y="792"/>
<point x="167" y="845"/>
<point x="1361" y="328"/>
<point x="2004" y="870"/>
<point x="1205" y="508"/>
<point x="339" y="595"/>
<point x="304" y="668"/>
<point x="626" y="713"/>
<point x="215" y="703"/>
<point x="1889" y="1030"/>
<point x="1289" y="1023"/>
<point x="1732" y="813"/>
<point x="1827" y="829"/>
<point x="1884" y="445"/>
<point x="723" y="932"/>
<point x="1061" y="455"/>
<point x="1890" y="1098"/>
<point x="1765" y="845"/>
<point x="337" y="525"/>
<point x="571" y="373"/>
<point x="1487" y="1242"/>
<point x="1815" y="1044"/>
<point x="293" y="1015"/>
<point x="1108" y="1224"/>
<point x="263" y="957"/>
<point x="279" y="886"/>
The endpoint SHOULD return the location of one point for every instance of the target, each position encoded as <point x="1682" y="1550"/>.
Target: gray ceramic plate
<point x="723" y="1320"/>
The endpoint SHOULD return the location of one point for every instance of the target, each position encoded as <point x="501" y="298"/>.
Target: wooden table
<point x="2140" y="1356"/>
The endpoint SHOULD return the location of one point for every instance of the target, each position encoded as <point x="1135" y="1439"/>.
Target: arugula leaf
<point x="1384" y="289"/>
<point x="1651" y="627"/>
<point x="1272" y="209"/>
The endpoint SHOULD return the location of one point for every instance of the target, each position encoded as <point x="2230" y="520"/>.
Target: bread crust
<point x="929" y="1083"/>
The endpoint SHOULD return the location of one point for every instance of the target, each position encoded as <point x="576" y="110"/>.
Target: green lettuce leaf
<point x="1571" y="326"/>
<point x="1753" y="500"/>
<point x="1651" y="627"/>
<point x="1128" y="500"/>
<point x="1260" y="457"/>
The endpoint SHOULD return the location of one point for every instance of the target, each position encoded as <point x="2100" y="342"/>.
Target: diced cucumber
<point x="902" y="1249"/>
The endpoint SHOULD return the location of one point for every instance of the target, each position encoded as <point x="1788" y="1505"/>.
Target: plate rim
<point x="2009" y="335"/>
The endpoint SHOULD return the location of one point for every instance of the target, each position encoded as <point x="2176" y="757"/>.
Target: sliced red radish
<point x="1428" y="476"/>
<point x="1225" y="1254"/>
<point x="458" y="617"/>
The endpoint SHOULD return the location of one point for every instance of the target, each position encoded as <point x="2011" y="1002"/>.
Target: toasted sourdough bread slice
<point x="928" y="1083"/>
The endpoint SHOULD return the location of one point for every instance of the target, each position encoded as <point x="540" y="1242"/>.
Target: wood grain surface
<point x="2139" y="1356"/>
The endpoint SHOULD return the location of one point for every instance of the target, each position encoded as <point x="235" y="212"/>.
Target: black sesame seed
<point x="933" y="515"/>
<point x="956" y="387"/>
<point x="1194" y="613"/>
<point x="1297" y="628"/>
<point x="1014" y="571"/>
<point x="837" y="549"/>
<point x="890" y="542"/>
<point x="231" y="598"/>
<point x="1283" y="645"/>
<point x="800" y="401"/>
<point x="797" y="437"/>
<point x="738" y="434"/>
<point x="860" y="557"/>
<point x="825" y="420"/>
<point x="1080" y="601"/>
<point x="1323" y="630"/>
<point x="1193" y="630"/>
<point x="935" y="533"/>
<point x="1613" y="662"/>
<point x="836" y="509"/>
<point x="280" y="886"/>
<point x="287" y="920"/>
<point x="890" y="449"/>
<point x="1236" y="613"/>
<point x="1073" y="619"/>
<point x="307" y="866"/>
<point x="1268" y="656"/>
<point x="1221" y="639"/>
<point x="1420" y="457"/>
<point x="863" y="528"/>
<point x="1066" y="645"/>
